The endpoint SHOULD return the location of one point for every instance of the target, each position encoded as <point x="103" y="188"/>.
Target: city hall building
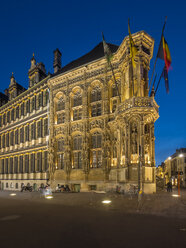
<point x="95" y="132"/>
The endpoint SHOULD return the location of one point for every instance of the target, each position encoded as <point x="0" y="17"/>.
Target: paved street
<point x="81" y="220"/>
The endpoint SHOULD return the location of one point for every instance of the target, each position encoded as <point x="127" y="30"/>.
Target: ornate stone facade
<point x="99" y="139"/>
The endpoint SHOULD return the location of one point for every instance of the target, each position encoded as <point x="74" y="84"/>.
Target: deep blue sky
<point x="40" y="26"/>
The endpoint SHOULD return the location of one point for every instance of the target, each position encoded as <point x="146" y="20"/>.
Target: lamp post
<point x="178" y="183"/>
<point x="181" y="155"/>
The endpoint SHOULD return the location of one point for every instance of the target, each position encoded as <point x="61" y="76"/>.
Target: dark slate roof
<point x="3" y="96"/>
<point x="96" y="53"/>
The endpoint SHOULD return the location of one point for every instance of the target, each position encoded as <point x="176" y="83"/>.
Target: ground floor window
<point x="60" y="161"/>
<point x="96" y="159"/>
<point x="77" y="163"/>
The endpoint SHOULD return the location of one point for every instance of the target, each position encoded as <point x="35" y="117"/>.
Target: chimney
<point x="57" y="60"/>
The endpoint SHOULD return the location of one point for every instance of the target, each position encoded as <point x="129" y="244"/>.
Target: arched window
<point x="96" y="150"/>
<point x="96" y="94"/>
<point x="61" y="153"/>
<point x="95" y="99"/>
<point x="76" y="106"/>
<point x="61" y="104"/>
<point x="77" y="99"/>
<point x="77" y="147"/>
<point x="114" y="95"/>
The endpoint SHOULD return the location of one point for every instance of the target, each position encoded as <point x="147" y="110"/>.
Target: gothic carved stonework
<point x="77" y="127"/>
<point x="60" y="130"/>
<point x="96" y="124"/>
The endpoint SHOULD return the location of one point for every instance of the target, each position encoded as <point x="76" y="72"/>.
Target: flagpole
<point x="159" y="82"/>
<point x="131" y="59"/>
<point x="158" y="52"/>
<point x="153" y="84"/>
<point x="108" y="53"/>
<point x="115" y="80"/>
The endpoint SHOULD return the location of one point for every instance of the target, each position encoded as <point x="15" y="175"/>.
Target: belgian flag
<point x="164" y="53"/>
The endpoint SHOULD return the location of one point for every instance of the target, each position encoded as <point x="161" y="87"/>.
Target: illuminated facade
<point x="24" y="131"/>
<point x="99" y="138"/>
<point x="97" y="130"/>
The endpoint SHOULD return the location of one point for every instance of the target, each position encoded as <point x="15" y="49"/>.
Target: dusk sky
<point x="75" y="28"/>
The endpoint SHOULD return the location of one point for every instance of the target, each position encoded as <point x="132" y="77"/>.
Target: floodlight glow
<point x="49" y="196"/>
<point x="169" y="158"/>
<point x="13" y="194"/>
<point x="181" y="155"/>
<point x="176" y="195"/>
<point x="106" y="201"/>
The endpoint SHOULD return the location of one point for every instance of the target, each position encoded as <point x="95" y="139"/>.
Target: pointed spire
<point x="12" y="79"/>
<point x="33" y="62"/>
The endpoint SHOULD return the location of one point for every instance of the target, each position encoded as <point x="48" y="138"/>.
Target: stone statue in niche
<point x="134" y="138"/>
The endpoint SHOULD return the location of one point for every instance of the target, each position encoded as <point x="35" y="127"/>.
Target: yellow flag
<point x="133" y="49"/>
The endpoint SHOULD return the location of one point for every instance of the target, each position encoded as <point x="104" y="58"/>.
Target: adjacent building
<point x="24" y="131"/>
<point x="174" y="165"/>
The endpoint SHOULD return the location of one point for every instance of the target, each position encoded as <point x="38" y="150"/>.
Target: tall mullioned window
<point x="96" y="150"/>
<point x="17" y="112"/>
<point x="95" y="99"/>
<point x="12" y="138"/>
<point x="12" y="115"/>
<point x="33" y="131"/>
<point x="114" y="96"/>
<point x="40" y="100"/>
<point x="61" y="104"/>
<point x="77" y="100"/>
<point x="34" y="103"/>
<point x="2" y="166"/>
<point x="77" y="147"/>
<point x="15" y="164"/>
<point x="3" y="140"/>
<point x="32" y="163"/>
<point x="61" y="153"/>
<point x="39" y="161"/>
<point x="45" y="160"/>
<point x="26" y="163"/>
<point x="77" y="114"/>
<point x="11" y="165"/>
<point x="21" y="164"/>
<point x="7" y="140"/>
<point x="8" y="117"/>
<point x="76" y="103"/>
<point x="46" y="132"/>
<point x="6" y="165"/>
<point x="39" y="129"/>
<point x="27" y="133"/>
<point x="4" y="119"/>
<point x="22" y="109"/>
<point x="22" y="135"/>
<point x="16" y="136"/>
<point x="28" y="106"/>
